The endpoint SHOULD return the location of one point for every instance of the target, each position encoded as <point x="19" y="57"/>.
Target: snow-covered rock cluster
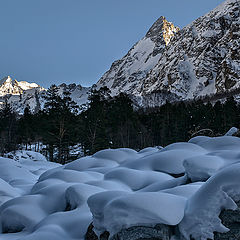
<point x="184" y="185"/>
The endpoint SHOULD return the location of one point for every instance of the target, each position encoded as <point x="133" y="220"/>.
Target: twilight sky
<point x="55" y="41"/>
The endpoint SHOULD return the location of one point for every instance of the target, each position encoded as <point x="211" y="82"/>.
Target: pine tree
<point x="7" y="128"/>
<point x="26" y="130"/>
<point x="95" y="122"/>
<point x="218" y="126"/>
<point x="230" y="114"/>
<point x="60" y="116"/>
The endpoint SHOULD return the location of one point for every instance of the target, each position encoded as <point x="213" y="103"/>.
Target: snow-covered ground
<point x="185" y="185"/>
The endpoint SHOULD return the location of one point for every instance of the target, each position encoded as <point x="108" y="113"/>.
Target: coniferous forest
<point x="111" y="122"/>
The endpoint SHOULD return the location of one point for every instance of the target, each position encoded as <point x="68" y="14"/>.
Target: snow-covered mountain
<point x="202" y="58"/>
<point x="170" y="64"/>
<point x="20" y="94"/>
<point x="13" y="87"/>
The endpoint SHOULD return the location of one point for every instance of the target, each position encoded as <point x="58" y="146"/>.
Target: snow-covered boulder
<point x="114" y="211"/>
<point x="201" y="218"/>
<point x="217" y="143"/>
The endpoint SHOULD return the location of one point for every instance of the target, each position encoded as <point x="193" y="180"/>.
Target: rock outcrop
<point x="230" y="219"/>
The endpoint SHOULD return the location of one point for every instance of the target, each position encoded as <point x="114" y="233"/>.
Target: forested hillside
<point x="110" y="122"/>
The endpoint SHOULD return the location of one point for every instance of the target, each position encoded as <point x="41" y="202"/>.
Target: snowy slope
<point x="120" y="188"/>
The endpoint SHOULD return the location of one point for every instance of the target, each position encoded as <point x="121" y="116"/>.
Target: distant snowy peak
<point x="225" y="7"/>
<point x="126" y="73"/>
<point x="22" y="94"/>
<point x="162" y="30"/>
<point x="25" y="85"/>
<point x="13" y="87"/>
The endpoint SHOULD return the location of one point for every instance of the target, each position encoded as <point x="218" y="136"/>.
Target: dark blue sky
<point x="55" y="41"/>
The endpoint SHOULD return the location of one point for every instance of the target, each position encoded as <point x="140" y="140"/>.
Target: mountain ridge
<point x="201" y="59"/>
<point x="172" y="64"/>
<point x="21" y="94"/>
<point x="14" y="87"/>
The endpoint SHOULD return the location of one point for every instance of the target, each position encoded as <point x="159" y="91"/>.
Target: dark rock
<point x="231" y="220"/>
<point x="159" y="232"/>
<point x="90" y="235"/>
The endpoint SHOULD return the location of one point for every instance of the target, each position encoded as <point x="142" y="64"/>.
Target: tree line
<point x="110" y="122"/>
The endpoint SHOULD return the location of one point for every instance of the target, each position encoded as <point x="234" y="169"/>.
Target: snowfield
<point x="185" y="185"/>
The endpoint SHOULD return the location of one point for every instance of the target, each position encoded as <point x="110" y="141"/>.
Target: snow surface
<point x="120" y="188"/>
<point x="134" y="66"/>
<point x="207" y="203"/>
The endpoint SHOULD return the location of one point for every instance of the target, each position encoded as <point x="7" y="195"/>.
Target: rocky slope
<point x="201" y="59"/>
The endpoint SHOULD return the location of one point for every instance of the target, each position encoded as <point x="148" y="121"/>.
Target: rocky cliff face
<point x="201" y="59"/>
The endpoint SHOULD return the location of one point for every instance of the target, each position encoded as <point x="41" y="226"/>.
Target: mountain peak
<point x="5" y="79"/>
<point x="162" y="26"/>
<point x="8" y="86"/>
<point x="126" y="74"/>
<point x="9" y="79"/>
